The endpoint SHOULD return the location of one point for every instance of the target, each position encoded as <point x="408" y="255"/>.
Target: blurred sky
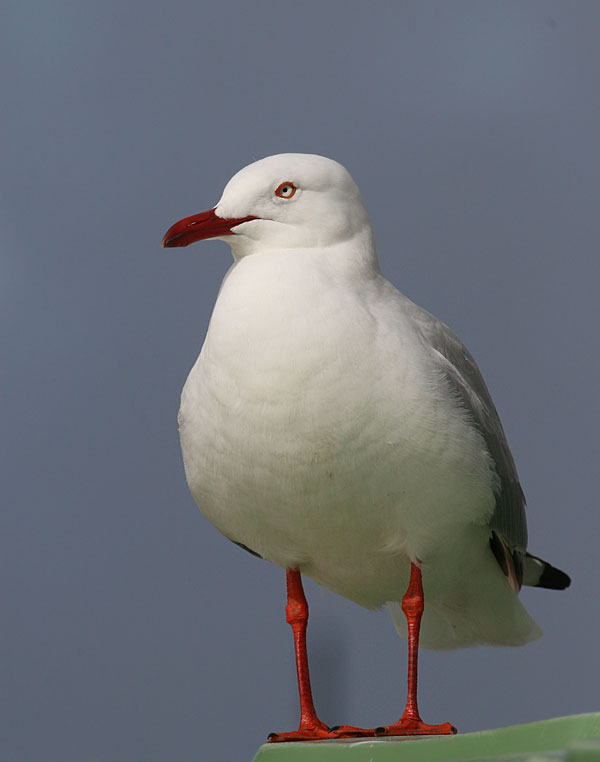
<point x="132" y="631"/>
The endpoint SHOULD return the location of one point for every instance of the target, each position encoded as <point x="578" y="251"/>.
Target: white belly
<point x="327" y="447"/>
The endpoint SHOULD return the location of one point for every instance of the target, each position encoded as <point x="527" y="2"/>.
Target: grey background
<point x="131" y="629"/>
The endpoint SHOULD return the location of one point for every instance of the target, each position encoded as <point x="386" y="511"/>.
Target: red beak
<point x="198" y="227"/>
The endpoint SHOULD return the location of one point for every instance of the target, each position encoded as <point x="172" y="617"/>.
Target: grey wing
<point x="508" y="520"/>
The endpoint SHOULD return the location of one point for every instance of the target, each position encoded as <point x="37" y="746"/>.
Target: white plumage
<point x="331" y="425"/>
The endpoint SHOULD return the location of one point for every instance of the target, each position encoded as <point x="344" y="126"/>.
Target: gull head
<point x="287" y="201"/>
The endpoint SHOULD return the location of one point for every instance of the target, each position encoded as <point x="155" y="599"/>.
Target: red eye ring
<point x="285" y="190"/>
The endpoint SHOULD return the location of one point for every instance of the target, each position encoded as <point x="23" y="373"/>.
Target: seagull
<point x="335" y="428"/>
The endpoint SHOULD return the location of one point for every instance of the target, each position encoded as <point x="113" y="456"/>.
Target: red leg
<point x="311" y="728"/>
<point x="410" y="723"/>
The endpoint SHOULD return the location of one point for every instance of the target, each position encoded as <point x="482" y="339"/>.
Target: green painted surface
<point x="564" y="739"/>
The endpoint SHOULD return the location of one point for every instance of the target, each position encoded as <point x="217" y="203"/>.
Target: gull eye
<point x="285" y="190"/>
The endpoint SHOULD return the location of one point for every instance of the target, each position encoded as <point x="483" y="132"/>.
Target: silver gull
<point x="335" y="428"/>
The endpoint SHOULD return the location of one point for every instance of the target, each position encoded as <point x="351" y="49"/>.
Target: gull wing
<point x="508" y="520"/>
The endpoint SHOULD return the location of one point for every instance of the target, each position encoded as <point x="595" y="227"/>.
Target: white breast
<point x="321" y="437"/>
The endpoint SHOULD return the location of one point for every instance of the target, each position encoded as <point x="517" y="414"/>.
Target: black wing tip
<point x="553" y="578"/>
<point x="539" y="573"/>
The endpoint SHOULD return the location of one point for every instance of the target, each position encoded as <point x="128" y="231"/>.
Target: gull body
<point x="332" y="426"/>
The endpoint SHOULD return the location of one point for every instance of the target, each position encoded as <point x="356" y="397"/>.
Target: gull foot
<point x="349" y="731"/>
<point x="309" y="731"/>
<point x="410" y="727"/>
<point x="320" y="732"/>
